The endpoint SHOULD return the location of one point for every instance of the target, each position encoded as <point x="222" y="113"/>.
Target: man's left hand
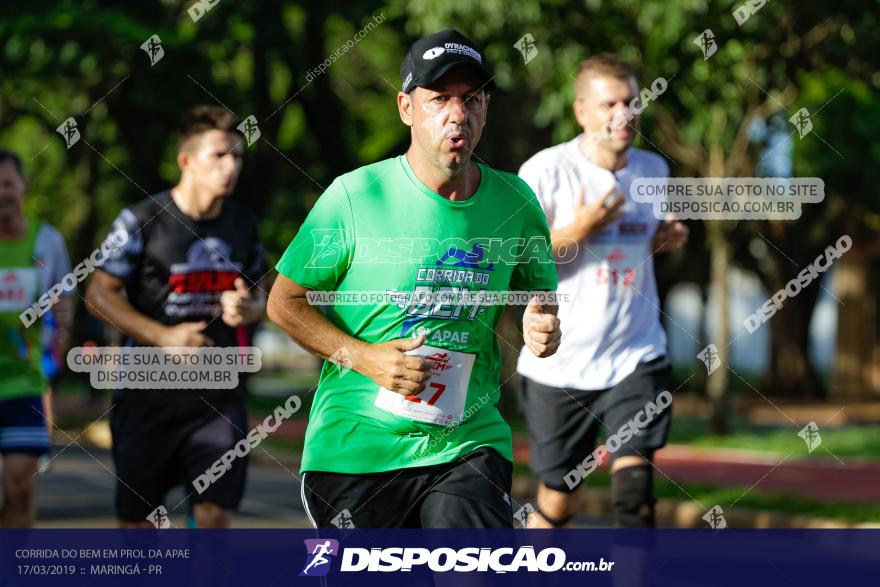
<point x="240" y="306"/>
<point x="541" y="330"/>
<point x="671" y="235"/>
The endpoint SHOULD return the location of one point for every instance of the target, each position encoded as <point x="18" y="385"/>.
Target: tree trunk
<point x="717" y="382"/>
<point x="856" y="372"/>
<point x="720" y="253"/>
<point x="791" y="371"/>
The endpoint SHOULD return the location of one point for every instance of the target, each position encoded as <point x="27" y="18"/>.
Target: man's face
<point x="447" y="118"/>
<point x="601" y="110"/>
<point x="12" y="186"/>
<point x="212" y="160"/>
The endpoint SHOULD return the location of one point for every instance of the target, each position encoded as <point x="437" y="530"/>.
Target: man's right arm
<point x="589" y="218"/>
<point x="385" y="363"/>
<point x="105" y="301"/>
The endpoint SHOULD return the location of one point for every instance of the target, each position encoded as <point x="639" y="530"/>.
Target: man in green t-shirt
<point x="35" y="278"/>
<point x="404" y="430"/>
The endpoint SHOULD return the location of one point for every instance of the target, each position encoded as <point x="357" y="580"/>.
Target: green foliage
<point x="83" y="59"/>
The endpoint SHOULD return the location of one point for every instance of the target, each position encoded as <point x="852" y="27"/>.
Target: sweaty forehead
<point x="460" y="78"/>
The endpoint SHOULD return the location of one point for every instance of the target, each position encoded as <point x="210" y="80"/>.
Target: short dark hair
<point x="12" y="157"/>
<point x="604" y="64"/>
<point x="202" y="119"/>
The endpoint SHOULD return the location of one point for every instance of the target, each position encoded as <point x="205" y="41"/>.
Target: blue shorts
<point x="23" y="426"/>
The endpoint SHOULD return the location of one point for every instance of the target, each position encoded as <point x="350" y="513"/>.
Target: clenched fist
<point x="387" y="364"/>
<point x="541" y="330"/>
<point x="240" y="306"/>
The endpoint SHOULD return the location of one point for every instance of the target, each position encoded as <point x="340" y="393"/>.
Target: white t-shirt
<point x="611" y="322"/>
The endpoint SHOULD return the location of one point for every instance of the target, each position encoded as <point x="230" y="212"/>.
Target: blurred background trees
<point x="725" y="115"/>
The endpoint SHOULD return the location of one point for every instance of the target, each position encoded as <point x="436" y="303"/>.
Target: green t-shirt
<point x="21" y="374"/>
<point x="379" y="229"/>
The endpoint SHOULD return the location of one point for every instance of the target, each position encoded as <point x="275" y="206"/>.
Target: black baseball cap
<point x="430" y="57"/>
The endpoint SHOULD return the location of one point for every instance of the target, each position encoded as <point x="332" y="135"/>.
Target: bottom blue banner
<point x="270" y="558"/>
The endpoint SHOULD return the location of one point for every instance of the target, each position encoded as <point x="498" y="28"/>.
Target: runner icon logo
<point x="153" y="48"/>
<point x="343" y="520"/>
<point x="715" y="518"/>
<point x="810" y="435"/>
<point x="706" y="43"/>
<point x="319" y="552"/>
<point x="710" y="358"/>
<point x="521" y="516"/>
<point x="69" y="131"/>
<point x="159" y="518"/>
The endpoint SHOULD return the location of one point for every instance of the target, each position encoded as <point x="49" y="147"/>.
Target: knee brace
<point x="632" y="495"/>
<point x="555" y="522"/>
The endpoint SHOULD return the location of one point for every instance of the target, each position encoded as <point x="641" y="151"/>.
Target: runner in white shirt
<point x="612" y="359"/>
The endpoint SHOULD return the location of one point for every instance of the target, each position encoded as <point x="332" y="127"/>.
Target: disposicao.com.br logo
<point x="444" y="559"/>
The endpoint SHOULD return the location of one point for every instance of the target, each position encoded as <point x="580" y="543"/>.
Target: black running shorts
<point x="470" y="492"/>
<point x="157" y="445"/>
<point x="563" y="423"/>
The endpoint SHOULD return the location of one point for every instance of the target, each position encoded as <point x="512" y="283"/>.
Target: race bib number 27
<point x="441" y="398"/>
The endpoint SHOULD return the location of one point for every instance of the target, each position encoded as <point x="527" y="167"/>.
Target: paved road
<point x="77" y="492"/>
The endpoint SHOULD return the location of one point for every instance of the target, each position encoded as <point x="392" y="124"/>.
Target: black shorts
<point x="470" y="492"/>
<point x="160" y="444"/>
<point x="23" y="426"/>
<point x="563" y="423"/>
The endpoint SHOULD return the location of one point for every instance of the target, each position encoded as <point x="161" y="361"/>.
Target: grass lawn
<point x="710" y="495"/>
<point x="857" y="441"/>
<point x="860" y="441"/>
